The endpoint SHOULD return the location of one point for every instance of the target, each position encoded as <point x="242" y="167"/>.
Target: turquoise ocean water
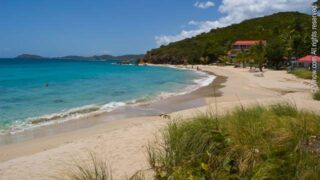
<point x="45" y="90"/>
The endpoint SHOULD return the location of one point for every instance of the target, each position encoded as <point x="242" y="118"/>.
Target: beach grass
<point x="302" y="73"/>
<point x="94" y="169"/>
<point x="306" y="74"/>
<point x="274" y="142"/>
<point x="316" y="96"/>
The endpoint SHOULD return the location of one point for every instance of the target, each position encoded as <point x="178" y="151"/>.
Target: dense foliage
<point x="276" y="142"/>
<point x="287" y="34"/>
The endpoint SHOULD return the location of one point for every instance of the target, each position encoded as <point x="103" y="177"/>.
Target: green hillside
<point x="287" y="32"/>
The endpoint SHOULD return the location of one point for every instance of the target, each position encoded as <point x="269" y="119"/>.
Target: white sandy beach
<point x="123" y="143"/>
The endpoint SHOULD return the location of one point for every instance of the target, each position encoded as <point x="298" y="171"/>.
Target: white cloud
<point x="204" y="5"/>
<point x="236" y="11"/>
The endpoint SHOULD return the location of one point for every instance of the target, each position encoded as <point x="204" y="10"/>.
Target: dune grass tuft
<point x="248" y="143"/>
<point x="95" y="169"/>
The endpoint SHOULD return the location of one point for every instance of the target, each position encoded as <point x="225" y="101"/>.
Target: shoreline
<point x="122" y="143"/>
<point x="181" y="100"/>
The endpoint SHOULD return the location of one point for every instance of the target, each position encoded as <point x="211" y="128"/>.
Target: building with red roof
<point x="243" y="45"/>
<point x="246" y="44"/>
<point x="308" y="59"/>
<point x="305" y="62"/>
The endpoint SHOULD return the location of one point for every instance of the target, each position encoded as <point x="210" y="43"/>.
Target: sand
<point x="122" y="143"/>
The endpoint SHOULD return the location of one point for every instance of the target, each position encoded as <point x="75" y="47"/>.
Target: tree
<point x="294" y="40"/>
<point x="213" y="50"/>
<point x="240" y="58"/>
<point x="224" y="59"/>
<point x="260" y="30"/>
<point x="243" y="57"/>
<point x="258" y="54"/>
<point x="275" y="53"/>
<point x="204" y="60"/>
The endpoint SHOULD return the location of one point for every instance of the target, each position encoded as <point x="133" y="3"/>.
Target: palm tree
<point x="242" y="57"/>
<point x="292" y="38"/>
<point x="224" y="59"/>
<point x="239" y="58"/>
<point x="258" y="54"/>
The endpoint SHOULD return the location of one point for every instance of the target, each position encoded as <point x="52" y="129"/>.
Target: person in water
<point x="47" y="85"/>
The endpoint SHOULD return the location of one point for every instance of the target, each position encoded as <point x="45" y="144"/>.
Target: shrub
<point x="247" y="143"/>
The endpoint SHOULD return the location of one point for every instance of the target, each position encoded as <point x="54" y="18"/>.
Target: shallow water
<point x="33" y="91"/>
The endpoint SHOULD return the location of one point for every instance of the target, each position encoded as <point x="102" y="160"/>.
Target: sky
<point x="54" y="28"/>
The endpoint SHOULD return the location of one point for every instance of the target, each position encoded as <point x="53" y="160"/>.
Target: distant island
<point x="29" y="56"/>
<point x="75" y="57"/>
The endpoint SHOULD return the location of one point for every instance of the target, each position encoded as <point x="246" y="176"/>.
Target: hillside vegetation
<point x="287" y="34"/>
